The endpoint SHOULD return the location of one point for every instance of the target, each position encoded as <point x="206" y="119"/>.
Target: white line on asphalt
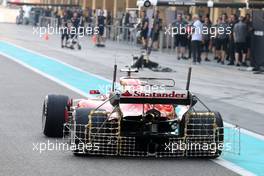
<point x="220" y="161"/>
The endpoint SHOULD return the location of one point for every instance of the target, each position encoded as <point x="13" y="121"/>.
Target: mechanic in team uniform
<point x="180" y="37"/>
<point x="101" y="20"/>
<point x="157" y="26"/>
<point x="206" y="37"/>
<point x="222" y="43"/>
<point x="249" y="24"/>
<point x="231" y="48"/>
<point x="75" y="23"/>
<point x="144" y="29"/>
<point x="65" y="30"/>
<point x="20" y="17"/>
<point x="189" y="40"/>
<point x="240" y="38"/>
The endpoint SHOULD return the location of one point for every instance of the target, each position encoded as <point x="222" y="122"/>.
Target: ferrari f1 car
<point x="144" y="117"/>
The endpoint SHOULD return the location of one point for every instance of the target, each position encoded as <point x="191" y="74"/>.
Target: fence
<point x="131" y="36"/>
<point x="122" y="34"/>
<point x="48" y="21"/>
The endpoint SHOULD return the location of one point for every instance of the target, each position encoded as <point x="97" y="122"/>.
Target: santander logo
<point x="138" y="94"/>
<point x="126" y="94"/>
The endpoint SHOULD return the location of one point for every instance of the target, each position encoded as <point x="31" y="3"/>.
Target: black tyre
<point x="220" y="133"/>
<point x="53" y="115"/>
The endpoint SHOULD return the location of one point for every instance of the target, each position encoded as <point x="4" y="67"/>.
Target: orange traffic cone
<point x="46" y="36"/>
<point x="94" y="39"/>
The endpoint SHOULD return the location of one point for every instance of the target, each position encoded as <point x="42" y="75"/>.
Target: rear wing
<point x="137" y="94"/>
<point x="175" y="97"/>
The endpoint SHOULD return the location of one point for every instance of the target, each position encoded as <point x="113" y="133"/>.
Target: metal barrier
<point x="128" y="35"/>
<point x="131" y="36"/>
<point x="48" y="21"/>
<point x="122" y="34"/>
<point x="166" y="42"/>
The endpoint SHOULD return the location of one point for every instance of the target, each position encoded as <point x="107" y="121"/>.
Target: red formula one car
<point x="142" y="118"/>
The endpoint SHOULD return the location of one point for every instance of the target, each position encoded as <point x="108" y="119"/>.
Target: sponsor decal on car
<point x="138" y="94"/>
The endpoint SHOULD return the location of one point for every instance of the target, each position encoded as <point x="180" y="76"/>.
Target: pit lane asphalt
<point x="22" y="93"/>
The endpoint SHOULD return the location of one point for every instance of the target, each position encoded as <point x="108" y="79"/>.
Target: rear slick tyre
<point x="53" y="115"/>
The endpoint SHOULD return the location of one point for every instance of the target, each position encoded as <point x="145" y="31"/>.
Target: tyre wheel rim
<point x="44" y="114"/>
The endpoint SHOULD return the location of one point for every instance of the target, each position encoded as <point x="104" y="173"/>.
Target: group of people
<point x="69" y="20"/>
<point x="150" y="30"/>
<point x="94" y="20"/>
<point x="228" y="39"/>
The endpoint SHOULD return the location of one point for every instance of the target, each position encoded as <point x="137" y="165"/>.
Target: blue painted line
<point x="251" y="156"/>
<point x="69" y="75"/>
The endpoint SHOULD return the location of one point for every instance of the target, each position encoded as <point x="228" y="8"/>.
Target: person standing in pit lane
<point x="231" y="49"/>
<point x="216" y="40"/>
<point x="76" y="23"/>
<point x="189" y="40"/>
<point x="155" y="31"/>
<point x="180" y="37"/>
<point x="197" y="38"/>
<point x="144" y="29"/>
<point x="65" y="29"/>
<point x="249" y="24"/>
<point x="240" y="38"/>
<point x="75" y="20"/>
<point x="222" y="39"/>
<point x="101" y="20"/>
<point x="206" y="37"/>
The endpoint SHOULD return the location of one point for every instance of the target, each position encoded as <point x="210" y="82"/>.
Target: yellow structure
<point x="113" y="6"/>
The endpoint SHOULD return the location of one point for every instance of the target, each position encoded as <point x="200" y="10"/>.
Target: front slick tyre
<point x="53" y="115"/>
